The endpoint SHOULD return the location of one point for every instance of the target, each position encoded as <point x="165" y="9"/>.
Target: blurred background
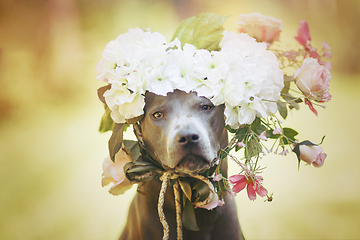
<point x="51" y="153"/>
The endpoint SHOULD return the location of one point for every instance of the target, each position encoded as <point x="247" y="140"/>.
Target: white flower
<point x="257" y="75"/>
<point x="210" y="65"/>
<point x="232" y="116"/>
<point x="160" y="80"/>
<point x="231" y="89"/>
<point x="129" y="49"/>
<point x="210" y="72"/>
<point x="122" y="103"/>
<point x="243" y="75"/>
<point x="102" y="67"/>
<point x="184" y="78"/>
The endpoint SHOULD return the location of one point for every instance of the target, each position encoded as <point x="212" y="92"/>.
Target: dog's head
<point x="182" y="131"/>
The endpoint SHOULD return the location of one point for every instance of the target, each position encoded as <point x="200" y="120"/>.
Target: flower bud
<point x="310" y="153"/>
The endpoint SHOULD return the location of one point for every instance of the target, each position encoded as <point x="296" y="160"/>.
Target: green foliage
<point x="282" y="108"/>
<point x="253" y="148"/>
<point x="204" y="31"/>
<point x="116" y="139"/>
<point x="188" y="217"/>
<point x="223" y="185"/>
<point x="106" y="124"/>
<point x="185" y="187"/>
<point x="292" y="101"/>
<point x="289" y="135"/>
<point x="287" y="81"/>
<point x="132" y="148"/>
<point x="200" y="192"/>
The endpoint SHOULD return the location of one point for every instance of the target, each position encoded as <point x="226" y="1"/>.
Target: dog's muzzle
<point x="189" y="152"/>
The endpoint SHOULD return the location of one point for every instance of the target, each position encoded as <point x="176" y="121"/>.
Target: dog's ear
<point x="101" y="91"/>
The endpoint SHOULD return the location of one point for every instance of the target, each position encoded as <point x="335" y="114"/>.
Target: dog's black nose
<point x="187" y="136"/>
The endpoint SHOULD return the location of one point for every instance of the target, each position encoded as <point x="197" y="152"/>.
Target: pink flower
<point x="304" y="39"/>
<point x="252" y="182"/>
<point x="217" y="177"/>
<point x="310" y="153"/>
<point x="313" y="80"/>
<point x="303" y="36"/>
<point x="114" y="172"/>
<point x="263" y="28"/>
<point x="284" y="152"/>
<point x="307" y="102"/>
<point x="262" y="136"/>
<point x="326" y="46"/>
<point x="241" y="144"/>
<point x="277" y="131"/>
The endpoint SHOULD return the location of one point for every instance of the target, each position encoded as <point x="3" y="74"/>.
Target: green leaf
<point x="282" y="109"/>
<point x="290" y="134"/>
<point x="253" y="148"/>
<point x="200" y="192"/>
<point x="132" y="148"/>
<point x="106" y="124"/>
<point x="230" y="129"/>
<point x="189" y="218"/>
<point x="260" y="128"/>
<point x="241" y="134"/>
<point x="204" y="31"/>
<point x="142" y="168"/>
<point x="185" y="187"/>
<point x="101" y="92"/>
<point x="287" y="81"/>
<point x="292" y="101"/>
<point x="116" y="139"/>
<point x="255" y="124"/>
<point x="223" y="185"/>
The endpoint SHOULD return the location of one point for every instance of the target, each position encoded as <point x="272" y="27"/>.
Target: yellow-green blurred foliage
<point x="51" y="153"/>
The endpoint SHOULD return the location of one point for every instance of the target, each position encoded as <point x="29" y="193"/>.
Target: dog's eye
<point x="206" y="107"/>
<point x="158" y="115"/>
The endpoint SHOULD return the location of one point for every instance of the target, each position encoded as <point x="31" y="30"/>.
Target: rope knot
<point x="165" y="178"/>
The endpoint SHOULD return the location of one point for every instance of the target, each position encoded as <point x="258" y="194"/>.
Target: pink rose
<point x="114" y="172"/>
<point x="262" y="28"/>
<point x="313" y="80"/>
<point x="310" y="153"/>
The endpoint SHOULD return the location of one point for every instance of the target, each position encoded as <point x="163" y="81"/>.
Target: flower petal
<point x="251" y="192"/>
<point x="261" y="191"/>
<point x="239" y="186"/>
<point x="237" y="178"/>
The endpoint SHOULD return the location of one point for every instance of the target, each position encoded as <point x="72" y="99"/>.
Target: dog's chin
<point x="192" y="165"/>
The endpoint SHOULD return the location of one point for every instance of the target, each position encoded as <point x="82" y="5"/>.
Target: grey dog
<point x="183" y="132"/>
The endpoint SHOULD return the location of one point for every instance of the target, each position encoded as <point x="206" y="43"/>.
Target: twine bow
<point x="165" y="178"/>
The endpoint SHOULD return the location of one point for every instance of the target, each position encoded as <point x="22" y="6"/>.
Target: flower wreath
<point x="239" y="70"/>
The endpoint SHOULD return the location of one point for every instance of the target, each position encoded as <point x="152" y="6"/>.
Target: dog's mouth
<point x="192" y="165"/>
